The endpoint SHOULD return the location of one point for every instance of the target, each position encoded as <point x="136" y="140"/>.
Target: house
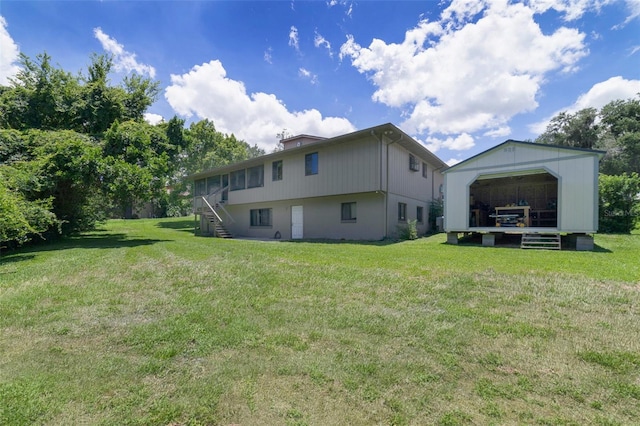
<point x="363" y="185"/>
<point x="538" y="191"/>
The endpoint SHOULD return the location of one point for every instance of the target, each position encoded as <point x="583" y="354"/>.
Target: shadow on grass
<point x="185" y="225"/>
<point x="512" y="241"/>
<point x="93" y="240"/>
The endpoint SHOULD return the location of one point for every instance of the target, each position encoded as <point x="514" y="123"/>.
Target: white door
<point x="296" y="223"/>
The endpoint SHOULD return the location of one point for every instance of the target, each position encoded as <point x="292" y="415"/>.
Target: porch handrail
<point x="226" y="212"/>
<point x="211" y="208"/>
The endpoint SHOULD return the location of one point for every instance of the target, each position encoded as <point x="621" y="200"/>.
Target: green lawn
<point x="143" y="323"/>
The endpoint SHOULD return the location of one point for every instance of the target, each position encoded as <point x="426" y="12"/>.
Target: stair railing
<point x="211" y="208"/>
<point x="219" y="203"/>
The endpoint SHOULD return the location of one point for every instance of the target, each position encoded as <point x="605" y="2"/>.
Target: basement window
<point x="348" y="212"/>
<point x="402" y="212"/>
<point x="260" y="217"/>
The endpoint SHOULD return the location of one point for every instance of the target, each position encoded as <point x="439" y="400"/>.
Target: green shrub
<point x="409" y="231"/>
<point x="619" y="207"/>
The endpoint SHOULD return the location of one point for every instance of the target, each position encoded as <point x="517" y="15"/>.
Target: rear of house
<point x="364" y="185"/>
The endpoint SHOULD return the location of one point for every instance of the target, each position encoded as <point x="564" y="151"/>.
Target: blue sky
<point x="459" y="76"/>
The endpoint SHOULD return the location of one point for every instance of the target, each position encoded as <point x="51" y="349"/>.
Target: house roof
<point x="388" y="130"/>
<point x="528" y="144"/>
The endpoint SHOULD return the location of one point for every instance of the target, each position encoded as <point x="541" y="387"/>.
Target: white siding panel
<point x="577" y="182"/>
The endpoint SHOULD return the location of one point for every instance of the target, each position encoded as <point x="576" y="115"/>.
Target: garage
<point x="540" y="191"/>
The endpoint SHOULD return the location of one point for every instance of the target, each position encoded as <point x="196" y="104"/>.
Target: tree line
<point x="614" y="129"/>
<point x="75" y="150"/>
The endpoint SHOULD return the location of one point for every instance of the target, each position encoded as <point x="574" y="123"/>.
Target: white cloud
<point x="347" y="4"/>
<point x="293" y="38"/>
<point x="633" y="7"/>
<point x="207" y="92"/>
<point x="305" y="73"/>
<point x="571" y="9"/>
<point x="122" y="60"/>
<point x="499" y="132"/>
<point x="152" y="118"/>
<point x="319" y="41"/>
<point x="598" y="96"/>
<point x="268" y="58"/>
<point x="452" y="162"/>
<point x="475" y="68"/>
<point x="461" y="142"/>
<point x="9" y="54"/>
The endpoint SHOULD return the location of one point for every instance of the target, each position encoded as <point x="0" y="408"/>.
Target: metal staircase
<point x="541" y="241"/>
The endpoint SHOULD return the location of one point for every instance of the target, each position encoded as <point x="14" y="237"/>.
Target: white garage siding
<point x="576" y="171"/>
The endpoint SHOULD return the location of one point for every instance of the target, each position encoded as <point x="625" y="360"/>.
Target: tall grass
<point x="143" y="323"/>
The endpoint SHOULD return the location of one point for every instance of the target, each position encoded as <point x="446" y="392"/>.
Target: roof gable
<point x="528" y="145"/>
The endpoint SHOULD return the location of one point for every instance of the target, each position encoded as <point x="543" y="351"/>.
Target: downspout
<point x="386" y="198"/>
<point x="384" y="194"/>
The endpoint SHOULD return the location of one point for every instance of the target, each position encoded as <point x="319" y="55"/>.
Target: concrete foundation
<point x="452" y="238"/>
<point x="584" y="243"/>
<point x="488" y="240"/>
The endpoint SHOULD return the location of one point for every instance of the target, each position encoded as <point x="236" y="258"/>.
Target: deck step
<point x="541" y="241"/>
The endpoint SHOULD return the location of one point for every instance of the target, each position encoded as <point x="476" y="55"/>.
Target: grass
<point x="143" y="323"/>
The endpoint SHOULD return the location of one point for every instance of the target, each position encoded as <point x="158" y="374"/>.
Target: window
<point x="402" y="212"/>
<point x="420" y="214"/>
<point x="311" y="164"/>
<point x="276" y="170"/>
<point x="414" y="166"/>
<point x="237" y="180"/>
<point x="260" y="217"/>
<point x="213" y="184"/>
<point x="425" y="173"/>
<point x="348" y="212"/>
<point x="201" y="187"/>
<point x="255" y="176"/>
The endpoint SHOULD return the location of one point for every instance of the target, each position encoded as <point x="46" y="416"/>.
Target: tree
<point x="614" y="129"/>
<point x="577" y="130"/>
<point x="621" y="134"/>
<point x="619" y="202"/>
<point x="41" y="96"/>
<point x="152" y="157"/>
<point x="207" y="148"/>
<point x="140" y="94"/>
<point x="44" y="97"/>
<point x="21" y="219"/>
<point x="68" y="165"/>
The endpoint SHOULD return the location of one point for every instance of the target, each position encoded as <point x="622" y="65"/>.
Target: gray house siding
<point x="322" y="218"/>
<point x="370" y="168"/>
